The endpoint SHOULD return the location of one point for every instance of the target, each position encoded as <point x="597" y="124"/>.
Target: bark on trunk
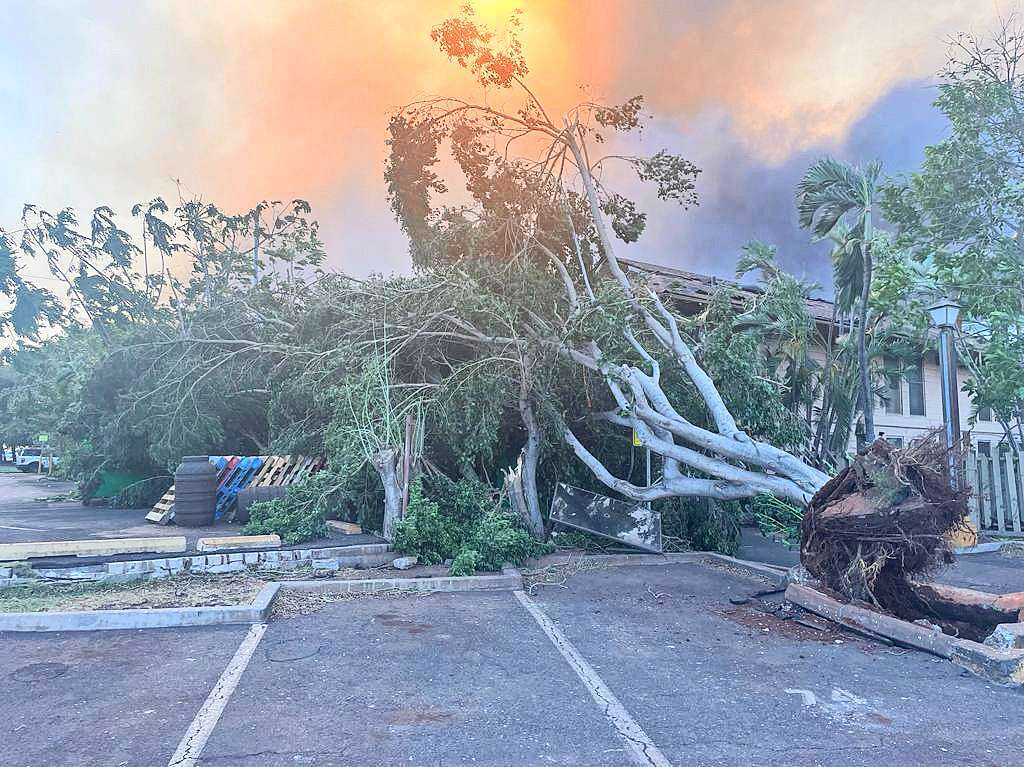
<point x="385" y="462"/>
<point x="862" y="349"/>
<point x="526" y="469"/>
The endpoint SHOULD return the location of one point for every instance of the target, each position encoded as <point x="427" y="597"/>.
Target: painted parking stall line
<point x="642" y="748"/>
<point x="191" y="746"/>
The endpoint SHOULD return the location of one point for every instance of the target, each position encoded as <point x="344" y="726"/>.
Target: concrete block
<point x="1007" y="636"/>
<point x="236" y="558"/>
<point x="1000" y="666"/>
<point x="175" y="564"/>
<point x="229" y="567"/>
<point x="404" y="563"/>
<point x="6" y="572"/>
<point x="229" y="542"/>
<point x="251" y="558"/>
<point x="853" y="617"/>
<point x="19" y="551"/>
<point x="325" y="564"/>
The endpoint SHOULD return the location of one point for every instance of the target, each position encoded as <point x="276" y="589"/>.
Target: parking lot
<point x="625" y="665"/>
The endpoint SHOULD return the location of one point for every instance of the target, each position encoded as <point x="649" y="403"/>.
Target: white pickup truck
<point x="35" y="459"/>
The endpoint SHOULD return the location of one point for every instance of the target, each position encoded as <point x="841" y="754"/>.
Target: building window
<point x="985" y="414"/>
<point x="915" y="387"/>
<point x="893" y="398"/>
<point x="896" y="441"/>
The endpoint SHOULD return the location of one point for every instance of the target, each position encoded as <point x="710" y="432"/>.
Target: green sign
<point x="44" y="438"/>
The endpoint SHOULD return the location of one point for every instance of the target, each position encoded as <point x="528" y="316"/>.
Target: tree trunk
<point x="867" y="401"/>
<point x="385" y="462"/>
<point x="521" y="481"/>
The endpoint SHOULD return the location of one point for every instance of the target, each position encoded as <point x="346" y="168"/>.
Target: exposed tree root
<point x="883" y="521"/>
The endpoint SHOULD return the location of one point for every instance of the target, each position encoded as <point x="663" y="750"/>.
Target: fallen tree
<point x="550" y="208"/>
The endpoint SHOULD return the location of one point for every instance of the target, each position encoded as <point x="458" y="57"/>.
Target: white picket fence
<point x="994" y="471"/>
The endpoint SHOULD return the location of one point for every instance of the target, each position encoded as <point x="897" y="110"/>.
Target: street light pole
<point x="944" y="316"/>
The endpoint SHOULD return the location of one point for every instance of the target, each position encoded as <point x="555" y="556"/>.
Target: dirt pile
<point x="882" y="522"/>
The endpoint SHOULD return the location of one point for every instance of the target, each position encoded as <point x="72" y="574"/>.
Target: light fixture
<point x="944" y="313"/>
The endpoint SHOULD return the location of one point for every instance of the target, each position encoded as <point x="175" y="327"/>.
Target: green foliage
<point x="294" y="522"/>
<point x="699" y="524"/>
<point x="143" y="494"/>
<point x="498" y="537"/>
<point x="425" y="532"/>
<point x="462" y="523"/>
<point x="465" y="562"/>
<point x="958" y="221"/>
<point x="301" y="514"/>
<point x="776" y="517"/>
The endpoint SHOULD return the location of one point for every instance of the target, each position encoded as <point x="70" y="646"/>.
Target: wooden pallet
<point x="163" y="510"/>
<point x="275" y="471"/>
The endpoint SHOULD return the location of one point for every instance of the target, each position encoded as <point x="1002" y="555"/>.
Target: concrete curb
<point x="165" y="617"/>
<point x="758" y="570"/>
<point x="1003" y="666"/>
<point x="328" y="558"/>
<point x="985" y="548"/>
<point x="258" y="611"/>
<point x="509" y="580"/>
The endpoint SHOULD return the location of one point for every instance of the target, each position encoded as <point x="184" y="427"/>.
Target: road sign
<point x="44" y="438"/>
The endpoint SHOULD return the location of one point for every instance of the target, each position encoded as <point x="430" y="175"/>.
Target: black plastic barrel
<point x="195" y="491"/>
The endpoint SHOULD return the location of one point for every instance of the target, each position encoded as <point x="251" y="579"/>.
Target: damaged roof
<point x="695" y="290"/>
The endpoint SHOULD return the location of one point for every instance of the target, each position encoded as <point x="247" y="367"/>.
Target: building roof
<point x="697" y="289"/>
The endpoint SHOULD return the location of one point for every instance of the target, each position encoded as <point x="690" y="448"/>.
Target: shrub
<point x="294" y="522"/>
<point x="142" y="494"/>
<point x="498" y="537"/>
<point x="463" y="524"/>
<point x="465" y="562"/>
<point x="425" y="531"/>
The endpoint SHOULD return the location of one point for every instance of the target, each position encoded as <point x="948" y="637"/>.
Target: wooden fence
<point x="994" y="471"/>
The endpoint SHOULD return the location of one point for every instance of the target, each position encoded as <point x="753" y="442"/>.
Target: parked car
<point x="30" y="458"/>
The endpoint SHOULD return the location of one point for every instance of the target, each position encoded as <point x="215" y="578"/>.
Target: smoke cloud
<point x="110" y="103"/>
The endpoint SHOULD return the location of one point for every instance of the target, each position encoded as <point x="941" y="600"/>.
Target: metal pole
<point x="256" y="254"/>
<point x="950" y="401"/>
<point x="648" y="474"/>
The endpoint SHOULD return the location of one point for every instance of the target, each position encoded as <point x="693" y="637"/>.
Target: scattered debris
<point x="558" y="573"/>
<point x="345" y="528"/>
<point x="175" y="591"/>
<point x="404" y="563"/>
<point x="1014" y="550"/>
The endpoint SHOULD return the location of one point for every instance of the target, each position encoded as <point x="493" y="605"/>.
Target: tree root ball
<point x="882" y="521"/>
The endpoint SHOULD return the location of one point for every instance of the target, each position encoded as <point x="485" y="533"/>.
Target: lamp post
<point x="944" y="315"/>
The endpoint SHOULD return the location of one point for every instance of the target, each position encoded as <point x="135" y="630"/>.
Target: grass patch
<point x="175" y="591"/>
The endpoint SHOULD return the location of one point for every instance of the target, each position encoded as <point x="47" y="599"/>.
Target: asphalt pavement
<point x="504" y="679"/>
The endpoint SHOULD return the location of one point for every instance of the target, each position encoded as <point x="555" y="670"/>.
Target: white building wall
<point x="909" y="427"/>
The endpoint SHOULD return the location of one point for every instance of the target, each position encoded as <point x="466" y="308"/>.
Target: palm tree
<point x="836" y="199"/>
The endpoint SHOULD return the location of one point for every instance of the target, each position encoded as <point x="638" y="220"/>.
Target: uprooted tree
<point x="550" y="210"/>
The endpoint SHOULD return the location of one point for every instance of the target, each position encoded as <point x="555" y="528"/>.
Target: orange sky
<point x="280" y="98"/>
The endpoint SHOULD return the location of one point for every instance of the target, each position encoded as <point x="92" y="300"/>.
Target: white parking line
<point x="642" y="747"/>
<point x="192" y="745"/>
